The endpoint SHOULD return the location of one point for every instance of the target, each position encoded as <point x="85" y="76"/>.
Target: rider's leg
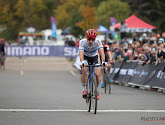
<point x="109" y="67"/>
<point x="101" y="78"/>
<point x="84" y="75"/>
<point x="84" y="81"/>
<point x="97" y="74"/>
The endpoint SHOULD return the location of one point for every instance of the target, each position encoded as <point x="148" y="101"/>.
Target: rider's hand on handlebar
<point x="103" y="63"/>
<point x="82" y="64"/>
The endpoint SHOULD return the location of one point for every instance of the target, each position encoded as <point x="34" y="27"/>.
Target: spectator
<point x="117" y="37"/>
<point x="152" y="58"/>
<point x="124" y="41"/>
<point x="138" y="51"/>
<point x="71" y="42"/>
<point x="157" y="37"/>
<point x="143" y="38"/>
<point x="77" y="42"/>
<point x="147" y="55"/>
<point x="66" y="41"/>
<point x="152" y="36"/>
<point x="115" y="44"/>
<point x="129" y="53"/>
<point x="161" y="49"/>
<point x="152" y="45"/>
<point x="118" y="56"/>
<point x="123" y="29"/>
<point x="136" y="37"/>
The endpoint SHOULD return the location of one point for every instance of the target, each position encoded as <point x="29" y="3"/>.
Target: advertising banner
<point x="152" y="75"/>
<point x="31" y="51"/>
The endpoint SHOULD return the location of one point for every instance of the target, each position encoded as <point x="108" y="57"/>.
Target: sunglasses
<point x="90" y="38"/>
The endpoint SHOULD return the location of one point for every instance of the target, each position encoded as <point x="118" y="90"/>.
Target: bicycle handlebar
<point x="92" y="65"/>
<point x="89" y="66"/>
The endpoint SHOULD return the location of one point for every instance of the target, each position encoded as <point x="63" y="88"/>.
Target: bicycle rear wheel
<point x="94" y="94"/>
<point x="109" y="87"/>
<point x="105" y="82"/>
<point x="88" y="99"/>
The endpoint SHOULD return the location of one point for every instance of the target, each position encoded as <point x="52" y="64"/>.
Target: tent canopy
<point x="102" y="29"/>
<point x="135" y="24"/>
<point x="66" y="31"/>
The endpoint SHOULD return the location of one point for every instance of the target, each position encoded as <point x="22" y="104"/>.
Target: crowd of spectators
<point x="147" y="49"/>
<point x="71" y="42"/>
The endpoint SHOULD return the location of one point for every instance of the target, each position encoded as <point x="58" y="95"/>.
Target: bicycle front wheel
<point x="88" y="99"/>
<point x="94" y="94"/>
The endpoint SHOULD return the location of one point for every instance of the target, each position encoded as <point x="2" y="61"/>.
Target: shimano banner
<point x="27" y="51"/>
<point x="152" y="75"/>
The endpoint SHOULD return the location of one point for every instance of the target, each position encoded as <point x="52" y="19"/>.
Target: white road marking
<point x="74" y="74"/>
<point x="21" y="72"/>
<point x="72" y="110"/>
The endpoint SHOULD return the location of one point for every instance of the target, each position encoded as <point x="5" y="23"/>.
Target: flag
<point x="113" y="21"/>
<point x="53" y="27"/>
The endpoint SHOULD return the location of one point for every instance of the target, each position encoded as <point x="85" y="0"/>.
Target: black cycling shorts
<point x="91" y="60"/>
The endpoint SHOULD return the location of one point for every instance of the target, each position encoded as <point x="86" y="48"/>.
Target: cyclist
<point x="108" y="59"/>
<point x="88" y="49"/>
<point x="3" y="46"/>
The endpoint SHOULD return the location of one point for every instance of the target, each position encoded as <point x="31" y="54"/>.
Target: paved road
<point x="41" y="91"/>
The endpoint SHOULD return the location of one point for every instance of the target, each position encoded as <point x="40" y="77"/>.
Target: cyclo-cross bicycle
<point x="91" y="99"/>
<point x="106" y="82"/>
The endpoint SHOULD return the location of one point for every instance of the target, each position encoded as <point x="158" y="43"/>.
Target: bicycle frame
<point x="91" y="73"/>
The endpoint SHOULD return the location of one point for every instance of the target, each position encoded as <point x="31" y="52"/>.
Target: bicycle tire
<point x="105" y="82"/>
<point x="94" y="94"/>
<point x="88" y="99"/>
<point x="109" y="87"/>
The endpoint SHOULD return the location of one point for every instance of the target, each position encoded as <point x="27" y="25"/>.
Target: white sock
<point x="84" y="85"/>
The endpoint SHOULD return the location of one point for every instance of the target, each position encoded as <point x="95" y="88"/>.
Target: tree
<point x="89" y="21"/>
<point x="112" y="8"/>
<point x="149" y="11"/>
<point x="75" y="30"/>
<point x="64" y="12"/>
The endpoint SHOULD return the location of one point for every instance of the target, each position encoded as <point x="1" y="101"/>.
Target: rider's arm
<point x="81" y="53"/>
<point x="110" y="56"/>
<point x="81" y="50"/>
<point x="101" y="51"/>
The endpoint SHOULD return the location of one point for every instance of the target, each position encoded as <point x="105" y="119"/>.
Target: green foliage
<point x="64" y="12"/>
<point x="89" y="20"/>
<point x="151" y="11"/>
<point x="75" y="30"/>
<point x="112" y="8"/>
<point x="17" y="15"/>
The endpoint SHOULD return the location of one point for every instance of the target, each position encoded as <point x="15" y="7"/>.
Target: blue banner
<point x="29" y="51"/>
<point x="113" y="21"/>
<point x="53" y="27"/>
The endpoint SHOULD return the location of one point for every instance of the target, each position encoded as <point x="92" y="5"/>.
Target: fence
<point x="140" y="75"/>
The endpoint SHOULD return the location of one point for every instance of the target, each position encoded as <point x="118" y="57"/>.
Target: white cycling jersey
<point x="90" y="51"/>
